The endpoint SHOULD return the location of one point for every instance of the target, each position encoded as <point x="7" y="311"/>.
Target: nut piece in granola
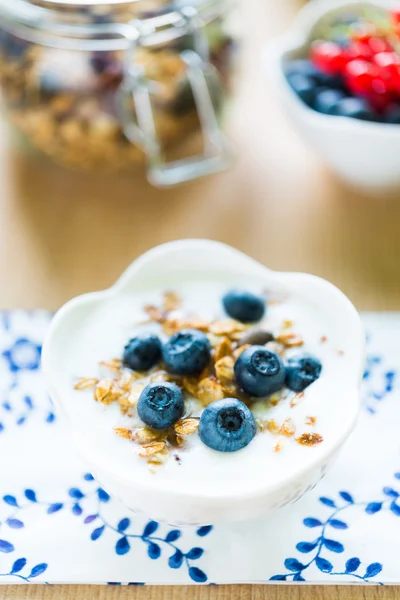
<point x="209" y="390"/>
<point x="288" y="428"/>
<point x="172" y="301"/>
<point x="186" y="426"/>
<point x="224" y="369"/>
<point x="290" y="339"/>
<point x="107" y="391"/>
<point x="151" y="449"/>
<point x="123" y="432"/>
<point x="85" y="383"/>
<point x="309" y="439"/>
<point x="255" y="337"/>
<point x="223" y="348"/>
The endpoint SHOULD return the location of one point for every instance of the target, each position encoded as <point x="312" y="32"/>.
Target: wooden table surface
<point x="62" y="234"/>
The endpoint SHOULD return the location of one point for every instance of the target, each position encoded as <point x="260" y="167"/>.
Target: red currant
<point x="380" y="96"/>
<point x="378" y="44"/>
<point x="328" y="57"/>
<point x="396" y="16"/>
<point x="359" y="75"/>
<point x="358" y="49"/>
<point x="388" y="64"/>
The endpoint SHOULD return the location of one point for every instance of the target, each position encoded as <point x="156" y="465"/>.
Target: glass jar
<point x="108" y="86"/>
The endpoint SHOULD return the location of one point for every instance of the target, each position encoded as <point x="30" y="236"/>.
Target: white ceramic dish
<point x="364" y="154"/>
<point x="196" y="260"/>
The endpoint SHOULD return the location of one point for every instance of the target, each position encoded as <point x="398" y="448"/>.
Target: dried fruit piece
<point x="278" y="447"/>
<point x="224" y="369"/>
<point x="209" y="390"/>
<point x="85" y="383"/>
<point x="309" y="439"/>
<point x="311" y="420"/>
<point x="186" y="426"/>
<point x="290" y="339"/>
<point x="151" y="449"/>
<point x="123" y="432"/>
<point x="172" y="301"/>
<point x="223" y="348"/>
<point x="287" y="324"/>
<point x="323" y="339"/>
<point x="107" y="391"/>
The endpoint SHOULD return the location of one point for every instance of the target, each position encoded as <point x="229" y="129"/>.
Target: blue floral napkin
<point x="58" y="526"/>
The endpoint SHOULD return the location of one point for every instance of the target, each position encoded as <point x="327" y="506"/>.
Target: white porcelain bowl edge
<point x="191" y="258"/>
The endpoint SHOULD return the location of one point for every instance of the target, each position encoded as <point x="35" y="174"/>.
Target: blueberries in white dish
<point x="227" y="425"/>
<point x="161" y="405"/>
<point x="244" y="306"/>
<point x="187" y="352"/>
<point x="142" y="352"/>
<point x="259" y="372"/>
<point x="302" y="371"/>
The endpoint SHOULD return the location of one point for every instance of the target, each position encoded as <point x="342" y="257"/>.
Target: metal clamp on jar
<point x="108" y="86"/>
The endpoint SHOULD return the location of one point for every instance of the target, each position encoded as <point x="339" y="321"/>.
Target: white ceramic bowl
<point x="191" y="260"/>
<point x="364" y="154"/>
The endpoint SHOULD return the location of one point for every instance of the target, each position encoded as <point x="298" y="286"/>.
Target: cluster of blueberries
<point x="328" y="94"/>
<point x="225" y="425"/>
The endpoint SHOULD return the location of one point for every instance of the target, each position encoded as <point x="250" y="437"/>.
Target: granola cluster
<point x="65" y="103"/>
<point x="228" y="339"/>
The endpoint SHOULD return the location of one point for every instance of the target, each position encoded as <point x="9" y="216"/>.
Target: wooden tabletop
<point x="62" y="234"/>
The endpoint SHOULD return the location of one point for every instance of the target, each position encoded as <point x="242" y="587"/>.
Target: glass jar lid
<point x="87" y="25"/>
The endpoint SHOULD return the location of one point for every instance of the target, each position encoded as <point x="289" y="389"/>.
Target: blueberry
<point x="302" y="371"/>
<point x="161" y="405"/>
<point x="259" y="371"/>
<point x="244" y="306"/>
<point x="393" y="115"/>
<point x="187" y="352"/>
<point x="355" y="108"/>
<point x="301" y="67"/>
<point x="305" y="67"/>
<point x="303" y="86"/>
<point x="142" y="352"/>
<point x="326" y="99"/>
<point x="227" y="425"/>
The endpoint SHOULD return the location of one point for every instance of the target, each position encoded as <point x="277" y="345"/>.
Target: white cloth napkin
<point x="58" y="526"/>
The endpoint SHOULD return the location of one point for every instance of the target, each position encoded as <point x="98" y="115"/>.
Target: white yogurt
<point x="202" y="470"/>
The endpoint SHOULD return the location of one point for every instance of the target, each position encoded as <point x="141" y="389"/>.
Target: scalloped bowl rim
<point x="286" y="277"/>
